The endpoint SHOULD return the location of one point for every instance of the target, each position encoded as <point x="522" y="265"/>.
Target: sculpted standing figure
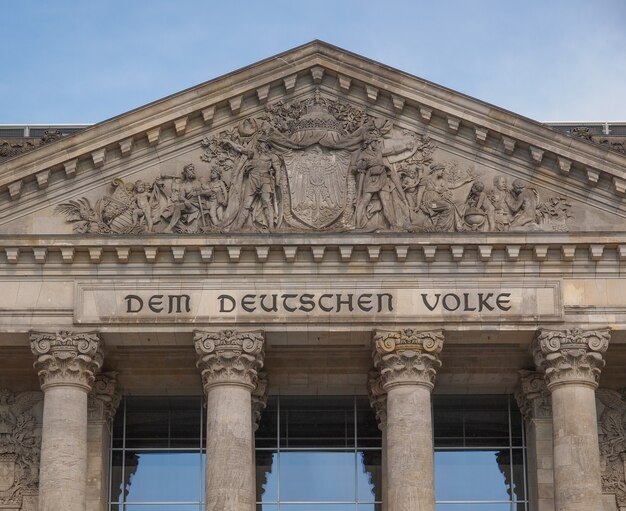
<point x="142" y="206"/>
<point x="259" y="181"/>
<point x="180" y="206"/>
<point x="213" y="197"/>
<point x="375" y="177"/>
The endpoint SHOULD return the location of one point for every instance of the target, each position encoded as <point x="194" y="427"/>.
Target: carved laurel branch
<point x="66" y="358"/>
<point x="230" y="356"/>
<point x="407" y="356"/>
<point x="573" y="355"/>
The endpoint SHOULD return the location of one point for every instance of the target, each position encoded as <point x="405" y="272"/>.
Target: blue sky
<point x="85" y="61"/>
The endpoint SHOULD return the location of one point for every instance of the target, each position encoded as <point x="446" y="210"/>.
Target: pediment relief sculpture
<point x="321" y="165"/>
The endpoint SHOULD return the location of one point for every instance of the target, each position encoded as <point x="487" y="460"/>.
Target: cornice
<point x="234" y="94"/>
<point x="319" y="248"/>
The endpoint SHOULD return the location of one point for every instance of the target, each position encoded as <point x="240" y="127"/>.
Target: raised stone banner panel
<point x="373" y="301"/>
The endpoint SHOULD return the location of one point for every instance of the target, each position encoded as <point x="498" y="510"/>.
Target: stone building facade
<point x="283" y="244"/>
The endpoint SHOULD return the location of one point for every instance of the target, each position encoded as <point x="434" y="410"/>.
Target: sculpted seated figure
<point x="181" y="206"/>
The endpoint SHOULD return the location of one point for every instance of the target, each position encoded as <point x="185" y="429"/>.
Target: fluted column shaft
<point x="230" y="361"/>
<point x="66" y="365"/>
<point x="572" y="361"/>
<point x="407" y="361"/>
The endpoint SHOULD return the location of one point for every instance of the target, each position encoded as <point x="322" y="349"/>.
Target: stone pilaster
<point x="378" y="402"/>
<point x="533" y="399"/>
<point x="230" y="361"/>
<point x="103" y="401"/>
<point x="408" y="361"/>
<point x="66" y="363"/>
<point x="572" y="361"/>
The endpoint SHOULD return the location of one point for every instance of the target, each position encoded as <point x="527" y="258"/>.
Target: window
<point x="157" y="455"/>
<point x="479" y="454"/>
<point x="318" y="453"/>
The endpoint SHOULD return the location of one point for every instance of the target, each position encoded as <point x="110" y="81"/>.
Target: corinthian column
<point x="408" y="361"/>
<point x="229" y="361"/>
<point x="572" y="361"/>
<point x="66" y="363"/>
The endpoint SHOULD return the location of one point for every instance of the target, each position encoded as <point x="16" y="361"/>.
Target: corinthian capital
<point x="230" y="356"/>
<point x="407" y="356"/>
<point x="533" y="396"/>
<point x="378" y="398"/>
<point x="104" y="397"/>
<point x="571" y="356"/>
<point x="66" y="358"/>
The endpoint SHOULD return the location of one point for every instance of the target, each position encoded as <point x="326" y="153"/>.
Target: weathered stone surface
<point x="230" y="361"/>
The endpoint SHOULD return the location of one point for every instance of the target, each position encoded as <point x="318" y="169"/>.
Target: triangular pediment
<point x="314" y="140"/>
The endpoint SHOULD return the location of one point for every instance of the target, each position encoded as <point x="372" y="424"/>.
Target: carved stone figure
<point x="259" y="178"/>
<point x="317" y="164"/>
<point x="183" y="200"/>
<point x="20" y="443"/>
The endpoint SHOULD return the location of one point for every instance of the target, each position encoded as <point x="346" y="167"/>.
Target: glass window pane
<point x="368" y="434"/>
<point x="161" y="507"/>
<point x="163" y="476"/>
<point x="317" y="421"/>
<point x="314" y="476"/>
<point x="517" y="425"/>
<point x="474" y="507"/>
<point x="116" y="476"/>
<point x="369" y="476"/>
<point x="518" y="475"/>
<point x="472" y="475"/>
<point x="317" y="507"/>
<point x="266" y="476"/>
<point x="267" y="434"/>
<point x="369" y="507"/>
<point x="480" y="421"/>
<point x="163" y="422"/>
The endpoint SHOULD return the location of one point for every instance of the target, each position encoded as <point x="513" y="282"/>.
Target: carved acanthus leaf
<point x="377" y="397"/>
<point x="407" y="356"/>
<point x="533" y="396"/>
<point x="66" y="358"/>
<point x="571" y="356"/>
<point x="230" y="356"/>
<point x="104" y="397"/>
<point x="259" y="398"/>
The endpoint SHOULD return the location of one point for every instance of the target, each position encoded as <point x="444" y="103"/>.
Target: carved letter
<point x="247" y="303"/>
<point x="273" y="308"/>
<point x="287" y="307"/>
<point x="156" y="303"/>
<point x="222" y="299"/>
<point x="503" y="301"/>
<point x="178" y="300"/>
<point x="129" y="302"/>
<point x="425" y="299"/>
<point x="483" y="301"/>
<point x="347" y="302"/>
<point x="466" y="304"/>
<point x="364" y="302"/>
<point x="306" y="302"/>
<point x="322" y="306"/>
<point x="446" y="305"/>
<point x="389" y="302"/>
